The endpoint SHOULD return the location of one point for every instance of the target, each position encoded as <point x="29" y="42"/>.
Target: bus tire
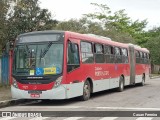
<point x="121" y="84"/>
<point x="143" y="80"/>
<point x="86" y="91"/>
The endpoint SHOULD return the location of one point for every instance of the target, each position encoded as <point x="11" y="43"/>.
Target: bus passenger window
<point x="99" y="56"/>
<point x="87" y="53"/>
<point x="109" y="54"/>
<point x="145" y="58"/>
<point x="137" y="57"/>
<point x="73" y="58"/>
<point x="141" y="57"/>
<point x="118" y="57"/>
<point x="124" y="55"/>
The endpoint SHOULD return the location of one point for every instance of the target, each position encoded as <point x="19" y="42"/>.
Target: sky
<point x="135" y="9"/>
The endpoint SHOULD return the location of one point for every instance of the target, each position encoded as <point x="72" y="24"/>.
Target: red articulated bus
<point x="63" y="65"/>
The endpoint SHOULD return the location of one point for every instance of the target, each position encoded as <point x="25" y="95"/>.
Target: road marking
<point x="74" y="107"/>
<point x="73" y="118"/>
<point x="7" y="118"/>
<point x="57" y="107"/>
<point x="124" y="108"/>
<point x="109" y="118"/>
<point x="144" y="118"/>
<point x="39" y="118"/>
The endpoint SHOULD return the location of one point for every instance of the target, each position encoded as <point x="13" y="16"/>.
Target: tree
<point x="27" y="16"/>
<point x="4" y="9"/>
<point x="74" y="25"/>
<point x="154" y="47"/>
<point x="118" y="22"/>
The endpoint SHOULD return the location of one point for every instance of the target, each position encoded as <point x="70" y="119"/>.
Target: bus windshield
<point x="38" y="59"/>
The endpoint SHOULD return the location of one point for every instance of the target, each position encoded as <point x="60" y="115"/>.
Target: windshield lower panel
<point x="38" y="59"/>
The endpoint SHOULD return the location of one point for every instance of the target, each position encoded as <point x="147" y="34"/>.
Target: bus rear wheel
<point x="143" y="80"/>
<point x="121" y="84"/>
<point x="86" y="91"/>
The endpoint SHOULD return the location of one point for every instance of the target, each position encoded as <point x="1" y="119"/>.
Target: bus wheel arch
<point x="121" y="83"/>
<point x="87" y="89"/>
<point x="91" y="83"/>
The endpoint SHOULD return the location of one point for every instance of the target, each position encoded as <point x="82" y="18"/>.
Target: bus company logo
<point x="101" y="73"/>
<point x="98" y="68"/>
<point x="6" y="114"/>
<point x="34" y="87"/>
<point x="25" y="87"/>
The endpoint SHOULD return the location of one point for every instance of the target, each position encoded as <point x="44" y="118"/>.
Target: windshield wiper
<point x="27" y="50"/>
<point x="42" y="54"/>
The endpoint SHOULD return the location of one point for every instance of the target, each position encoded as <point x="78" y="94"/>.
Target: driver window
<point x="73" y="61"/>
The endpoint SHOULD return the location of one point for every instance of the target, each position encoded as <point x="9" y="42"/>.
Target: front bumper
<point x="55" y="93"/>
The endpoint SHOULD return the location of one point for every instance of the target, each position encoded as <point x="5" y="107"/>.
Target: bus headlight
<point x="58" y="82"/>
<point x="14" y="83"/>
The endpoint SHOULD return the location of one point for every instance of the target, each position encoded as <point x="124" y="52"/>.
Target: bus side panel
<point x="124" y="69"/>
<point x="140" y="69"/>
<point x="132" y="64"/>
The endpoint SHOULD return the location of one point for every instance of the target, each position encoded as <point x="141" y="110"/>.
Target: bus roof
<point x="41" y="32"/>
<point x="88" y="37"/>
<point x="104" y="40"/>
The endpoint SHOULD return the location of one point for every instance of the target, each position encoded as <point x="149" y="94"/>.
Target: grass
<point x="155" y="74"/>
<point x="4" y="86"/>
<point x="5" y="92"/>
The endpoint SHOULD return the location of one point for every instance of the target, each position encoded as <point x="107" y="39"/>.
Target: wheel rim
<point x="122" y="85"/>
<point x="143" y="80"/>
<point x="86" y="90"/>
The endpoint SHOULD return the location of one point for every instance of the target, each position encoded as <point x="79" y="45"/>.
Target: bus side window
<point x="145" y="58"/>
<point x="99" y="56"/>
<point x="73" y="61"/>
<point x="141" y="57"/>
<point x="124" y="55"/>
<point x="137" y="57"/>
<point x="87" y="53"/>
<point x="107" y="52"/>
<point x="118" y="57"/>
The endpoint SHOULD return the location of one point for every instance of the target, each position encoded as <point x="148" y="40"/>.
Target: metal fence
<point x="5" y="69"/>
<point x="0" y="71"/>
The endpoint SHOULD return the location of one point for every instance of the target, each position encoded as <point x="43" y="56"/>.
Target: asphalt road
<point x="142" y="102"/>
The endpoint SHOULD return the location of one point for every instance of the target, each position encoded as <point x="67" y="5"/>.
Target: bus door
<point x="132" y="64"/>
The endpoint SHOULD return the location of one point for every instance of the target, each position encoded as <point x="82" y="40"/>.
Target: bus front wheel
<point x="86" y="91"/>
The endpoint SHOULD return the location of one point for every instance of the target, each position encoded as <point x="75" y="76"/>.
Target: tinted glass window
<point x="107" y="49"/>
<point x="117" y="51"/>
<point x="124" y="52"/>
<point x="73" y="58"/>
<point x="86" y="47"/>
<point x="137" y="57"/>
<point x="141" y="54"/>
<point x="99" y="56"/>
<point x="109" y="54"/>
<point x="99" y="48"/>
<point x="137" y="54"/>
<point x="86" y="51"/>
<point x="124" y="55"/>
<point x="118" y="57"/>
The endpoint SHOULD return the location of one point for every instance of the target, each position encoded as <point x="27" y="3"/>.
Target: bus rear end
<point x="38" y="66"/>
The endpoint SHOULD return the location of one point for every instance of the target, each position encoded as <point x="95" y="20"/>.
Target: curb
<point x="154" y="77"/>
<point x="11" y="102"/>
